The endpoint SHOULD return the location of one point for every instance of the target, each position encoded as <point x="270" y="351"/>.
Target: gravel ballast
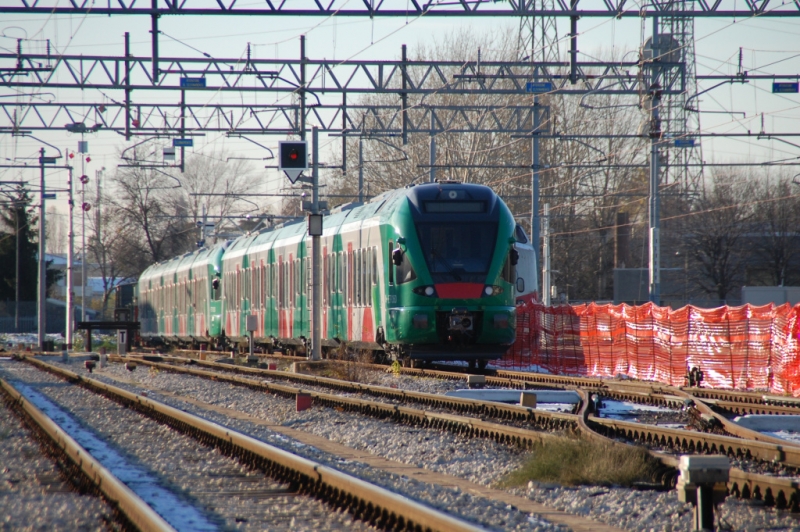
<point x="33" y="493"/>
<point x="478" y="460"/>
<point x="225" y="492"/>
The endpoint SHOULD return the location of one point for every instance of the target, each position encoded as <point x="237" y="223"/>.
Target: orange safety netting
<point x="747" y="348"/>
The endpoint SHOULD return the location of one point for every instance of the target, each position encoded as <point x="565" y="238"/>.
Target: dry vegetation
<point x="571" y="462"/>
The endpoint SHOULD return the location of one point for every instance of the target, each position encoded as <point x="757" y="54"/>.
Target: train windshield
<point x="457" y="252"/>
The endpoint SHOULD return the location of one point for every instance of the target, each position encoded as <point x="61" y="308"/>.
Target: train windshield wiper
<point x="449" y="267"/>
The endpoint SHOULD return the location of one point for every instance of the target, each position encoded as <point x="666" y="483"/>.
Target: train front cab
<point x="451" y="276"/>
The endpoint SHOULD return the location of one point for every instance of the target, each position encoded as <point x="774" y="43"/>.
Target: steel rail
<point x="514" y="413"/>
<point x="365" y="501"/>
<point x="132" y="508"/>
<point x="745" y="443"/>
<point x="741" y="402"/>
<point x="781" y="491"/>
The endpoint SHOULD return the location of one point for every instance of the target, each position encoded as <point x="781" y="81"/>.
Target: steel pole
<point x="42" y="304"/>
<point x="433" y="149"/>
<point x="535" y="180"/>
<point x="546" y="254"/>
<point x="654" y="250"/>
<point x="70" y="266"/>
<point x="316" y="259"/>
<point x="361" y="169"/>
<point x="16" y="271"/>
<point x="302" y="89"/>
<point x="83" y="247"/>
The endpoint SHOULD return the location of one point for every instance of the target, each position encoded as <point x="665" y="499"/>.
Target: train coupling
<point x="461" y="320"/>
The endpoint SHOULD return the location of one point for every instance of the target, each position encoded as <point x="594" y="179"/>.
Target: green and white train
<point x="428" y="272"/>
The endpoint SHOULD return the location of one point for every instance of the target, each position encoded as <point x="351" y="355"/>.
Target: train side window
<point x="325" y="276"/>
<point x="389" y="262"/>
<point x="307" y="285"/>
<point x="405" y="272"/>
<point x="519" y="235"/>
<point x="363" y="281"/>
<point x="349" y="278"/>
<point x="358" y="276"/>
<point x="374" y="266"/>
<point x="340" y="284"/>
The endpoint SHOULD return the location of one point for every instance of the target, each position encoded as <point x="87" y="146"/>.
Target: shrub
<point x="571" y="462"/>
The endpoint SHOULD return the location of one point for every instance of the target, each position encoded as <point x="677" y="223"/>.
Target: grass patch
<point x="572" y="462"/>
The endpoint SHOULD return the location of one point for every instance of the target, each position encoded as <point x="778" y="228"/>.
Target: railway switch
<point x="703" y="482"/>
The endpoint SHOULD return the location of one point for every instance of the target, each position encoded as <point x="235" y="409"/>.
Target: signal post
<point x="293" y="160"/>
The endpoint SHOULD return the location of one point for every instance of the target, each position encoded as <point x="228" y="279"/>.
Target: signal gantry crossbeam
<point x="174" y="95"/>
<point x="413" y="8"/>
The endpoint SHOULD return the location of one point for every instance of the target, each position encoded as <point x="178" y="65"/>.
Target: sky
<point x="768" y="46"/>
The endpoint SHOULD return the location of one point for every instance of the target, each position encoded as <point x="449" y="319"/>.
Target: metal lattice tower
<point x="538" y="36"/>
<point x="677" y="121"/>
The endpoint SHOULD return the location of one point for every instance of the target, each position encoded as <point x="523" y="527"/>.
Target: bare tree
<point x="776" y="231"/>
<point x="717" y="229"/>
<point x="153" y="211"/>
<point x="107" y="248"/>
<point x="55" y="231"/>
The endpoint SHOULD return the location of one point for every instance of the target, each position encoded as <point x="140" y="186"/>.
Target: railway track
<point x="781" y="491"/>
<point x="365" y="501"/>
<point x="729" y="401"/>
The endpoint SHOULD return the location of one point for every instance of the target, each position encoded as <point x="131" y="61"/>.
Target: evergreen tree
<point x="15" y="215"/>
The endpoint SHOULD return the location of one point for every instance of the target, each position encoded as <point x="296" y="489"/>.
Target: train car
<point x="180" y="300"/>
<point x="423" y="273"/>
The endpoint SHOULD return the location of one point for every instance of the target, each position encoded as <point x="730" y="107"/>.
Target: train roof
<point x="379" y="209"/>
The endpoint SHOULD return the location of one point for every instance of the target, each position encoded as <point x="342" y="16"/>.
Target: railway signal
<point x="293" y="158"/>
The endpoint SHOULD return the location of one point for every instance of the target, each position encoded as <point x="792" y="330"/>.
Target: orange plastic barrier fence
<point x="745" y="348"/>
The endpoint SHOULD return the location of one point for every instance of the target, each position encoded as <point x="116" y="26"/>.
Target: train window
<point x="340" y="284"/>
<point x="405" y="272"/>
<point x="389" y="262"/>
<point x="364" y="279"/>
<point x="374" y="266"/>
<point x="357" y="277"/>
<point x="307" y="287"/>
<point x="519" y="234"/>
<point x="325" y="266"/>
<point x="349" y="279"/>
<point x="509" y="271"/>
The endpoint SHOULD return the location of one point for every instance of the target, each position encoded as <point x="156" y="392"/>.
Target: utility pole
<point x="42" y="304"/>
<point x="16" y="271"/>
<point x="360" y="169"/>
<point x="535" y="179"/>
<point x="653" y="211"/>
<point x="546" y="255"/>
<point x="433" y="149"/>
<point x="70" y="265"/>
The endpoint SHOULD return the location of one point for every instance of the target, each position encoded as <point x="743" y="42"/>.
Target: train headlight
<point x="428" y="291"/>
<point x="492" y="290"/>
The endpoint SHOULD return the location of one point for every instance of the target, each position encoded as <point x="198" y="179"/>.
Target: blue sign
<point x="193" y="83"/>
<point x="47" y="160"/>
<point x="785" y="86"/>
<point x="182" y="143"/>
<point x="538" y="87"/>
<point x="49" y="196"/>
<point x="684" y="143"/>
